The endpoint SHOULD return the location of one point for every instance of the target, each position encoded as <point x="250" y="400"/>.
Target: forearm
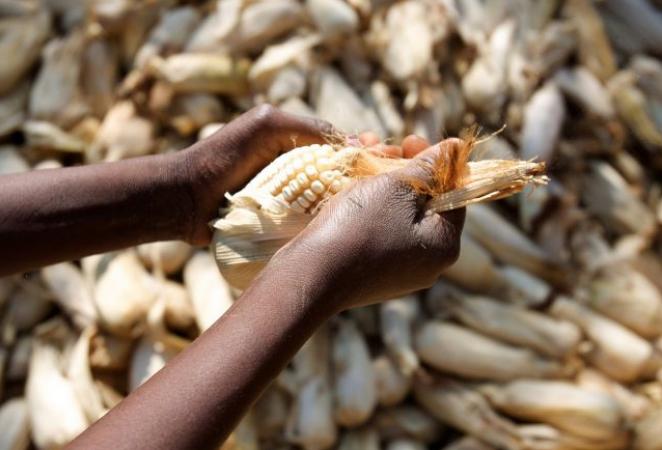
<point x="200" y="396"/>
<point x="62" y="214"/>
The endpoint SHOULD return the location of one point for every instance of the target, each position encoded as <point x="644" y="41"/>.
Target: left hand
<point x="228" y="159"/>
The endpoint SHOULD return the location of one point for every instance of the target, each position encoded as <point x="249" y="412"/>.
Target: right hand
<point x="376" y="240"/>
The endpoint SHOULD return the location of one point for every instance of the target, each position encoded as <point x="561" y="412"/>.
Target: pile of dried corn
<point x="544" y="335"/>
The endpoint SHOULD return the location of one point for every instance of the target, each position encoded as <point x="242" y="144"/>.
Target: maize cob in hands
<point x="284" y="197"/>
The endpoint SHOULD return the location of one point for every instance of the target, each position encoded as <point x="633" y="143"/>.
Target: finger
<point x="369" y="138"/>
<point x="393" y="151"/>
<point x="426" y="172"/>
<point x="412" y="145"/>
<point x="442" y="232"/>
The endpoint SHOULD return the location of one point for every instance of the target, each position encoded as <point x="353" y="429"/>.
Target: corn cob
<point x="71" y="293"/>
<point x="281" y="200"/>
<point x="618" y="352"/>
<point x="514" y="325"/>
<point x="360" y="439"/>
<point x="110" y="352"/>
<point x="397" y="316"/>
<point x="634" y="405"/>
<point x="561" y="404"/>
<point x="270" y="412"/>
<point x="647" y="432"/>
<point x="15" y="425"/>
<point x="391" y="385"/>
<point x="407" y="421"/>
<point x="80" y="374"/>
<point x="460" y="351"/>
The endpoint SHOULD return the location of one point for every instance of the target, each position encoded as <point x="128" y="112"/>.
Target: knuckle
<point x="265" y="114"/>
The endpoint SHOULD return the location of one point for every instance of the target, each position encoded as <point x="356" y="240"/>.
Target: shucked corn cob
<point x="281" y="200"/>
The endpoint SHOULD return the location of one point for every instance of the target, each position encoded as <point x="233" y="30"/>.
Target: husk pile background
<point x="544" y="335"/>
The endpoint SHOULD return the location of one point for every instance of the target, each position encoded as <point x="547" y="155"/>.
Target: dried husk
<point x="457" y="350"/>
<point x="56" y="94"/>
<point x="467" y="410"/>
<point x="396" y="320"/>
<point x="359" y="439"/>
<point x="278" y="56"/>
<point x="617" y="351"/>
<point x="27" y="307"/>
<point x="123" y="295"/>
<point x="332" y="17"/>
<point x="585" y="88"/>
<point x="20" y="45"/>
<point x="170" y="34"/>
<point x="109" y="352"/>
<point x="56" y="416"/>
<point x="543" y="116"/>
<point x="45" y="135"/>
<point x="209" y="293"/>
<point x="353" y="377"/>
<point x="391" y="385"/>
<point x="15" y="425"/>
<point x="626" y="296"/>
<point x="510" y="245"/>
<point x="467" y="443"/>
<point x="608" y="196"/>
<point x="167" y="256"/>
<point x="19" y="359"/>
<point x="567" y="407"/>
<point x="198" y="72"/>
<point x="647" y="432"/>
<point x="310" y="424"/>
<point x="123" y="134"/>
<point x="79" y="371"/>
<point x="633" y="405"/>
<point x="516" y="325"/>
<point x="407" y="421"/>
<point x="13" y="108"/>
<point x="270" y="412"/>
<point x="71" y="292"/>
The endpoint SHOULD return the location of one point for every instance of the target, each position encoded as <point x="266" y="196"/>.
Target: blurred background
<point x="545" y="334"/>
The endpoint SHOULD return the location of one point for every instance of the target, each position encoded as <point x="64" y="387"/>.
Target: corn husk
<point x="12" y="109"/>
<point x="123" y="295"/>
<point x="15" y="425"/>
<point x="633" y="405"/>
<point x="465" y="409"/>
<point x="516" y="325"/>
<point x="608" y="196"/>
<point x="190" y="72"/>
<point x="79" y="371"/>
<point x="311" y="424"/>
<point x="109" y="352"/>
<point x="27" y="307"/>
<point x="405" y="444"/>
<point x="626" y="296"/>
<point x="396" y="319"/>
<point x="586" y="89"/>
<point x="270" y="412"/>
<point x="71" y="293"/>
<point x="407" y="421"/>
<point x="467" y="443"/>
<point x="508" y="244"/>
<point x="209" y="292"/>
<point x="11" y="160"/>
<point x="168" y="256"/>
<point x="563" y="405"/>
<point x="354" y="380"/>
<point x="332" y="17"/>
<point x="460" y="351"/>
<point x="45" y="135"/>
<point x="56" y="416"/>
<point x="647" y="432"/>
<point x="20" y="46"/>
<point x="391" y="384"/>
<point x="617" y="352"/>
<point x="123" y="134"/>
<point x="19" y="359"/>
<point x="543" y="116"/>
<point x="358" y="439"/>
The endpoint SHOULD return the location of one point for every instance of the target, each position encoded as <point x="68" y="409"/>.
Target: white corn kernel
<point x="303" y="202"/>
<point x="336" y="186"/>
<point x="288" y="194"/>
<point x="297" y="208"/>
<point x="295" y="186"/>
<point x="311" y="171"/>
<point x="310" y="195"/>
<point x="325" y="164"/>
<point x="327" y="177"/>
<point x="318" y="187"/>
<point x="308" y="157"/>
<point x="303" y="179"/>
<point x="297" y="164"/>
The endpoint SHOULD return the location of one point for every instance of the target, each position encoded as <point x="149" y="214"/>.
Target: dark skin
<point x="371" y="242"/>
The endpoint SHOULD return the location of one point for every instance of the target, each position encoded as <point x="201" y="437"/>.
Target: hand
<point x="376" y="239"/>
<point x="229" y="158"/>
